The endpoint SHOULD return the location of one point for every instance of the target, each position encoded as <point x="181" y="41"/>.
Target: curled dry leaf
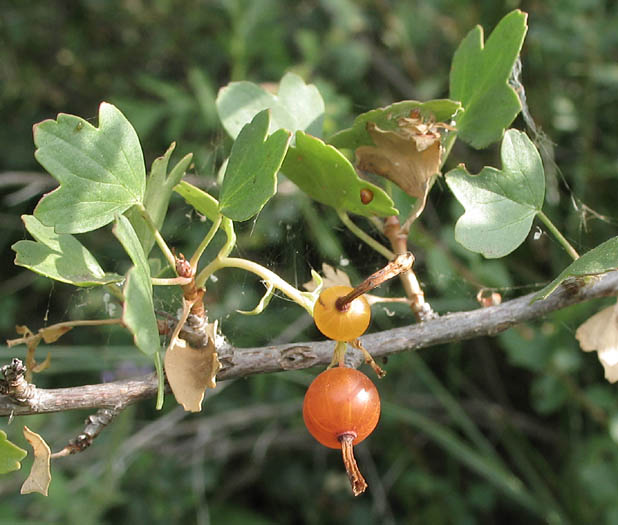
<point x="32" y="341"/>
<point x="190" y="371"/>
<point x="408" y="156"/>
<point x="40" y="475"/>
<point x="48" y="334"/>
<point x="600" y="333"/>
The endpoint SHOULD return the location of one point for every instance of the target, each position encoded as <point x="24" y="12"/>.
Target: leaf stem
<point x="267" y="275"/>
<point x="205" y="242"/>
<point x="363" y="236"/>
<point x="171" y="260"/>
<point x="559" y="237"/>
<point x="160" y="380"/>
<point x="175" y="281"/>
<point x="228" y="227"/>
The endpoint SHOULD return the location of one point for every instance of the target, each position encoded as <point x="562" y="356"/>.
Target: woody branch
<point x="20" y="398"/>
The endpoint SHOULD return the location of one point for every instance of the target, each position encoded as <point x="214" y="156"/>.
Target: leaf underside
<point x="40" y="474"/>
<point x="59" y="256"/>
<point x="203" y="202"/>
<point x="138" y="311"/>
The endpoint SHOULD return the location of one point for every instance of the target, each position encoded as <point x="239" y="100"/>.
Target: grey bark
<point x="241" y="362"/>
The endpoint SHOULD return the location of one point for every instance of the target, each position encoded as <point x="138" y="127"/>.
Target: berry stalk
<point x="402" y="263"/>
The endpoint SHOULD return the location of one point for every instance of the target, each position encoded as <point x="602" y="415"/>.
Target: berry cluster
<point x="342" y="405"/>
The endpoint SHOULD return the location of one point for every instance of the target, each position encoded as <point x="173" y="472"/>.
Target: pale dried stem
<point x="418" y="208"/>
<point x="357" y="481"/>
<point x="368" y="358"/>
<point x="58" y="327"/>
<point x="398" y="238"/>
<point x="401" y="264"/>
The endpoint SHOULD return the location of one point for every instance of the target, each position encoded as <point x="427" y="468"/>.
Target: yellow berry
<point x="339" y="325"/>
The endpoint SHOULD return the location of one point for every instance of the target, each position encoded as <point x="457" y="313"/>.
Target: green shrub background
<point x="541" y="403"/>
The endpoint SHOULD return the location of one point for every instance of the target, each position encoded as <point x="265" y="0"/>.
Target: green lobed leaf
<point x="385" y="118"/>
<point x="295" y="106"/>
<point x="601" y="259"/>
<point x="159" y="189"/>
<point x="251" y="175"/>
<point x="479" y="79"/>
<point x="59" y="256"/>
<point x="500" y="205"/>
<point x="10" y="455"/>
<point x="100" y="170"/>
<point x="327" y="176"/>
<point x="138" y="312"/>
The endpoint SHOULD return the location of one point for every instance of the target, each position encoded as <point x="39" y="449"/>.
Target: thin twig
<point x="95" y="423"/>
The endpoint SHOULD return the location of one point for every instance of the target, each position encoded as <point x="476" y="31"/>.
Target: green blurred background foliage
<point x="528" y="401"/>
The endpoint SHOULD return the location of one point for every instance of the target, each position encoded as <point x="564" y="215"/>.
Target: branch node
<point x="14" y="383"/>
<point x="296" y="357"/>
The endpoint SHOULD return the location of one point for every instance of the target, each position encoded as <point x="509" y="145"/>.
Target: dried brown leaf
<point x="600" y="333"/>
<point x="190" y="371"/>
<point x="40" y="474"/>
<point x="409" y="156"/>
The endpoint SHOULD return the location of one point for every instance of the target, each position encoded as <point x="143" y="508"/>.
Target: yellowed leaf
<point x="190" y="371"/>
<point x="408" y="156"/>
<point x="600" y="334"/>
<point x="40" y="474"/>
